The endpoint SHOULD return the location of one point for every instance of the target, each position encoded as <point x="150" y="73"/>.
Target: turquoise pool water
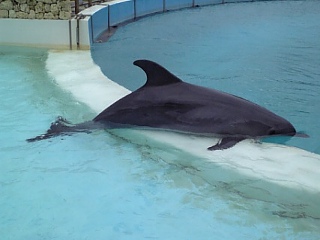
<point x="267" y="52"/>
<point x="99" y="186"/>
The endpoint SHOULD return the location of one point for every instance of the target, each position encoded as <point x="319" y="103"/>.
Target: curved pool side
<point x="104" y="18"/>
<point x="86" y="27"/>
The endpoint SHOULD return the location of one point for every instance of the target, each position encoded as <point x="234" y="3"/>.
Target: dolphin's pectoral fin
<point x="226" y="142"/>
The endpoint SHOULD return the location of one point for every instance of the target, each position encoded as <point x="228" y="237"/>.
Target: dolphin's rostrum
<point x="165" y="102"/>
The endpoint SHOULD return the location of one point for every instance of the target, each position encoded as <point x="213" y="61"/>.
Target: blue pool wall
<point x="111" y="14"/>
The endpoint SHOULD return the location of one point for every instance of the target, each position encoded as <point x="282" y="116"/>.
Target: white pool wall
<point x="41" y="33"/>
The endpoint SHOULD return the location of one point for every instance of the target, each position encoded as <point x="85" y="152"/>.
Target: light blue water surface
<point x="98" y="186"/>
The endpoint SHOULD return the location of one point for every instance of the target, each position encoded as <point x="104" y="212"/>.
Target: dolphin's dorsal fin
<point x="156" y="74"/>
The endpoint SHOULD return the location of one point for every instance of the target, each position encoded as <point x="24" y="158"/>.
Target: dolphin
<point x="165" y="102"/>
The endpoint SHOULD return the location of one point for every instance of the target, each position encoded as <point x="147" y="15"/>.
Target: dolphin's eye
<point x="272" y="132"/>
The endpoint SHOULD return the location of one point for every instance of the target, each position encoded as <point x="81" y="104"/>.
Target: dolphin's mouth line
<point x="301" y="135"/>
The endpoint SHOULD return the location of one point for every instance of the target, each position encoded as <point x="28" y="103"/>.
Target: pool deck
<point x="86" y="27"/>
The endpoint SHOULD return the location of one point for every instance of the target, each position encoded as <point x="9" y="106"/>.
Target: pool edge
<point x="85" y="28"/>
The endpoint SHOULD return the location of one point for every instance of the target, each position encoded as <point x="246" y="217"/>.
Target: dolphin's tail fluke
<point x="60" y="127"/>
